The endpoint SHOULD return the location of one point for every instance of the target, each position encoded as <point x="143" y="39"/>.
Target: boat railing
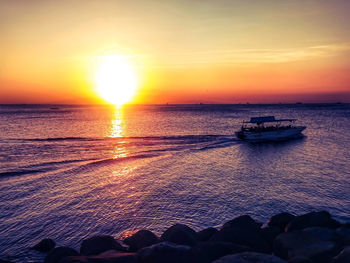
<point x="266" y="128"/>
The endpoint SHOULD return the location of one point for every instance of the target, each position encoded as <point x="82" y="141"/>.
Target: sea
<point x="69" y="172"/>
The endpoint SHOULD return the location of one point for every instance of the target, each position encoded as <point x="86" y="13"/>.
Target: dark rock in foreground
<point x="244" y="237"/>
<point x="321" y="233"/>
<point x="245" y="222"/>
<point x="250" y="257"/>
<point x="180" y="234"/>
<point x="343" y="234"/>
<point x="44" y="245"/>
<point x="316" y="244"/>
<point x="206" y="234"/>
<point x="106" y="257"/>
<point x="270" y="233"/>
<point x="322" y="219"/>
<point x="310" y="238"/>
<point x="99" y="244"/>
<point x="280" y="220"/>
<point x="59" y="253"/>
<point x="206" y="252"/>
<point x="300" y="260"/>
<point x="141" y="239"/>
<point x="165" y="252"/>
<point x="343" y="257"/>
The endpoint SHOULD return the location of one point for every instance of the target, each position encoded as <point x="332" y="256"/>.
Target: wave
<point x="62" y="139"/>
<point x="133" y="148"/>
<point x="175" y="137"/>
<point x="45" y="167"/>
<point x="55" y="163"/>
<point x="150" y="153"/>
<point x="119" y="159"/>
<point x="20" y="172"/>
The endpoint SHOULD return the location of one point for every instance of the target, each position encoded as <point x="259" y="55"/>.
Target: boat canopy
<point x="260" y="120"/>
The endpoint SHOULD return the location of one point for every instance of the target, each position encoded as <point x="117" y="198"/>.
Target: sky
<point x="222" y="51"/>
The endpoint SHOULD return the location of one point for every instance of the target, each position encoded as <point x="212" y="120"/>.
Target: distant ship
<point x="255" y="130"/>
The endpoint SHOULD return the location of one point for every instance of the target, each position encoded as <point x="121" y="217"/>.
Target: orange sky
<point x="224" y="51"/>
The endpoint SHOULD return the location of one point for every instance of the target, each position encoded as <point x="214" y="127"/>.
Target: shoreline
<point x="315" y="237"/>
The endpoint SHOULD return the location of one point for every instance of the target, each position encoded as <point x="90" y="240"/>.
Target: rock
<point x="206" y="252"/>
<point x="244" y="221"/>
<point x="180" y="234"/>
<point x="280" y="220"/>
<point x="244" y="237"/>
<point x="98" y="244"/>
<point x="4" y="261"/>
<point x="165" y="252"/>
<point x="333" y="224"/>
<point x="346" y="225"/>
<point x="141" y="239"/>
<point x="343" y="257"/>
<point x="300" y="260"/>
<point x="249" y="257"/>
<point x="314" y="243"/>
<point x="322" y="219"/>
<point x="106" y="257"/>
<point x="321" y="233"/>
<point x="44" y="245"/>
<point x="343" y="234"/>
<point x="206" y="234"/>
<point x="270" y="233"/>
<point x="59" y="253"/>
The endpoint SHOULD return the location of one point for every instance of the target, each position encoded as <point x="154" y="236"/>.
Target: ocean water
<point x="69" y="172"/>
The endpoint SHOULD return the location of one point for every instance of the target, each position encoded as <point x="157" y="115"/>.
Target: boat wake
<point x="43" y="155"/>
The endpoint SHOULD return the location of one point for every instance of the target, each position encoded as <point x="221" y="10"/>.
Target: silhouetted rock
<point x="314" y="243"/>
<point x="244" y="221"/>
<point x="310" y="238"/>
<point x="280" y="220"/>
<point x="141" y="239"/>
<point x="98" y="244"/>
<point x="206" y="234"/>
<point x="44" y="245"/>
<point x="180" y="234"/>
<point x="343" y="234"/>
<point x="59" y="253"/>
<point x="5" y="261"/>
<point x="206" y="252"/>
<point x="249" y="257"/>
<point x="321" y="233"/>
<point x="346" y="225"/>
<point x="343" y="257"/>
<point x="300" y="260"/>
<point x="333" y="224"/>
<point x="165" y="252"/>
<point x="270" y="233"/>
<point x="106" y="257"/>
<point x="322" y="219"/>
<point x="242" y="236"/>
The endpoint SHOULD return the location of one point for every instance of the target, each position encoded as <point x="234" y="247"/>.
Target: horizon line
<point x="171" y="104"/>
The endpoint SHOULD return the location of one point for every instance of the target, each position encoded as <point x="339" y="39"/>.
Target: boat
<point x="268" y="128"/>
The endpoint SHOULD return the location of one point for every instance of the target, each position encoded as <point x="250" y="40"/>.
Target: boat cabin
<point x="257" y="124"/>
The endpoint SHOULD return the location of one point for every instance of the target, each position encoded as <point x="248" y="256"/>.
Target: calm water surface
<point x="68" y="172"/>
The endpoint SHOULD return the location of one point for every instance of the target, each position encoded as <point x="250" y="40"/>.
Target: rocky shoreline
<point x="314" y="237"/>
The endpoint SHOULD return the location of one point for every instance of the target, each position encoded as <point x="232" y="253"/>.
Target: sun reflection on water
<point x="117" y="124"/>
<point x="117" y="131"/>
<point x="122" y="151"/>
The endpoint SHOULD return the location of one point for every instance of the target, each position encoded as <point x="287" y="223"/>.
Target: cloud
<point x="249" y="56"/>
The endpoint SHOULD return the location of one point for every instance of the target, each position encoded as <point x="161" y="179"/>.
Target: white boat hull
<point x="276" y="135"/>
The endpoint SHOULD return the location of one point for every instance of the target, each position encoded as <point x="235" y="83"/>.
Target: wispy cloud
<point x="249" y="56"/>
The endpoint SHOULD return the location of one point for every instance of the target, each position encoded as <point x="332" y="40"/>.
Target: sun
<point x="115" y="79"/>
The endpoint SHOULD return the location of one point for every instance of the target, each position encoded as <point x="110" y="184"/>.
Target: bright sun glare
<point x="115" y="79"/>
